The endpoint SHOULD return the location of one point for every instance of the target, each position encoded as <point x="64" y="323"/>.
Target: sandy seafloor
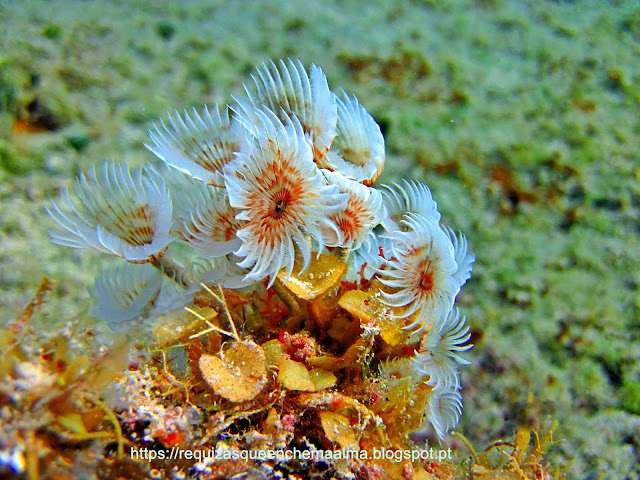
<point x="522" y="117"/>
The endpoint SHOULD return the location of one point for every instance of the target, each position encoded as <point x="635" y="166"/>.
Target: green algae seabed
<point x="522" y="117"/>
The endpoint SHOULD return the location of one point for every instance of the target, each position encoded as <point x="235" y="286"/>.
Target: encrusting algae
<point x="274" y="301"/>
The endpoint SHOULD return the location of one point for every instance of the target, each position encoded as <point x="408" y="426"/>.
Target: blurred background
<point x="521" y="116"/>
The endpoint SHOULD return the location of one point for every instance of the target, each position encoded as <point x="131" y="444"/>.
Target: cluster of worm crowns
<point x="274" y="193"/>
